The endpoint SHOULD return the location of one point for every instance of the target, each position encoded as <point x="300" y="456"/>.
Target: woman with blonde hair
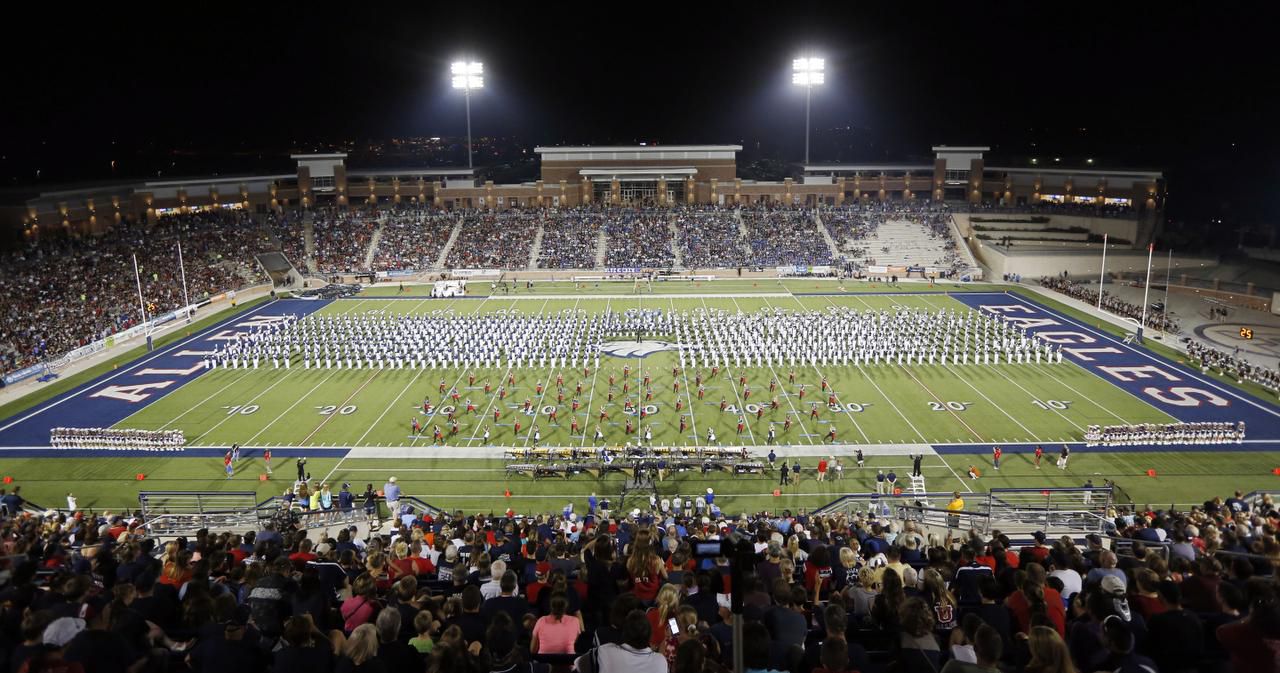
<point x="360" y="651"/>
<point x="177" y="565"/>
<point x="665" y="608"/>
<point x="1049" y="653"/>
<point x="787" y="570"/>
<point x="645" y="568"/>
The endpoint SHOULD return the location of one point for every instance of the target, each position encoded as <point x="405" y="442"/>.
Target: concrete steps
<point x="602" y="248"/>
<point x="374" y="241"/>
<point x="309" y="241"/>
<point x="448" y="245"/>
<point x="536" y="248"/>
<point x="678" y="260"/>
<point x="826" y="236"/>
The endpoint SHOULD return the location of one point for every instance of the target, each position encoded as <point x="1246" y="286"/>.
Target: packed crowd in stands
<point x="1111" y="303"/>
<point x="849" y="226"/>
<point x="709" y="237"/>
<point x="287" y="231"/>
<point x="570" y="238"/>
<point x="342" y="238"/>
<point x="64" y="292"/>
<point x="1227" y="364"/>
<point x="604" y="593"/>
<point x="784" y="236"/>
<point x="638" y="237"/>
<point x="495" y="240"/>
<point x="412" y="238"/>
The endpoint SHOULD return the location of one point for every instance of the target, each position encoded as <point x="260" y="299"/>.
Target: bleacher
<point x="902" y="243"/>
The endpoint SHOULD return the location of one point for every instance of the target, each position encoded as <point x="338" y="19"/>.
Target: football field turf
<point x="345" y="419"/>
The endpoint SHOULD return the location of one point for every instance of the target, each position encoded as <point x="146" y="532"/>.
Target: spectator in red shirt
<point x="817" y="573"/>
<point x="1035" y="597"/>
<point x="303" y="556"/>
<point x="1038" y="550"/>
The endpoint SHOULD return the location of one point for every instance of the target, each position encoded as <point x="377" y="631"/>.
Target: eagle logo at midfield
<point x="636" y="349"/>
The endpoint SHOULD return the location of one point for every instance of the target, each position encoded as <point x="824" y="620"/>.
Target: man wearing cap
<point x="56" y="635"/>
<point x="391" y="493"/>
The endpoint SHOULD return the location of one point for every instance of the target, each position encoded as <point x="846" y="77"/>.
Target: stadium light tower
<point x="468" y="75"/>
<point x="808" y="73"/>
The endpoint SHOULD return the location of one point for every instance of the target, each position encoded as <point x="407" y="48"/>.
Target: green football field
<point x="876" y="405"/>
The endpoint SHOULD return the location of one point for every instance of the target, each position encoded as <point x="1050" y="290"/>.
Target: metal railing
<point x="166" y="513"/>
<point x="875" y="504"/>
<point x="1076" y="511"/>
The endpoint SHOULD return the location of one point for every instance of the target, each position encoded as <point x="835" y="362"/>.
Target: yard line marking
<point x="955" y="474"/>
<point x="344" y="403"/>
<point x="939" y="400"/>
<point x="546" y="387"/>
<point x="799" y="416"/>
<point x="1048" y="371"/>
<point x="688" y="394"/>
<point x="493" y="397"/>
<point x="397" y="399"/>
<point x="734" y="386"/>
<point x="408" y="385"/>
<point x="875" y="385"/>
<point x="1226" y="390"/>
<point x="251" y="400"/>
<point x="591" y="394"/>
<point x="93" y="383"/>
<point x="856" y="425"/>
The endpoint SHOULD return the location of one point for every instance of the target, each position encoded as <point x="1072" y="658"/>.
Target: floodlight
<point x="467" y="75"/>
<point x="808" y="73"/>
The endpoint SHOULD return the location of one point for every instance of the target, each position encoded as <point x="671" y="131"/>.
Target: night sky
<point x="1190" y="92"/>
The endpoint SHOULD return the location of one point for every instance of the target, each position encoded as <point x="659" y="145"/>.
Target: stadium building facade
<point x="572" y="176"/>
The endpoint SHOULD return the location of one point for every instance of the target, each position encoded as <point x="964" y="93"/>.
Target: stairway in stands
<point x="309" y="241"/>
<point x="536" y="248"/>
<point x="678" y="262"/>
<point x="374" y="241"/>
<point x="826" y="236"/>
<point x="448" y="245"/>
<point x="602" y="248"/>
<point x="744" y="235"/>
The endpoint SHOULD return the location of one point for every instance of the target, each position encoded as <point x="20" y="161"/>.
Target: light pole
<point x="468" y="75"/>
<point x="808" y="73"/>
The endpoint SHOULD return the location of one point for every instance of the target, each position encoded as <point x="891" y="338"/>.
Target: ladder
<point x="917" y="488"/>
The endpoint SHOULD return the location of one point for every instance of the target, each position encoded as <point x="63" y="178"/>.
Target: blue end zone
<point x="1051" y="449"/>
<point x="115" y="395"/>
<point x="204" y="452"/>
<point x="1173" y="388"/>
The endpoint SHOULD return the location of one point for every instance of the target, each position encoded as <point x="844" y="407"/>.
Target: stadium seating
<point x="709" y="237"/>
<point x="1162" y="589"/>
<point x="784" y="236"/>
<point x="500" y="240"/>
<point x="572" y="240"/>
<point x="638" y="237"/>
<point x="411" y="239"/>
<point x="63" y="293"/>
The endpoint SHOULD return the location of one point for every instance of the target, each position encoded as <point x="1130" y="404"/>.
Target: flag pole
<point x="1102" y="276"/>
<point x="186" y="301"/>
<point x="1146" y="289"/>
<point x="1168" y="269"/>
<point x="141" y="304"/>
